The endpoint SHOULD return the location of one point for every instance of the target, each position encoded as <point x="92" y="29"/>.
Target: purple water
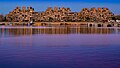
<point x="59" y="47"/>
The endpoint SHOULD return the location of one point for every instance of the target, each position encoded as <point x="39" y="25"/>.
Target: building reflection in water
<point x="56" y="30"/>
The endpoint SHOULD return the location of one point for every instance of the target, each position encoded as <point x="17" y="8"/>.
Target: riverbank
<point x="87" y="24"/>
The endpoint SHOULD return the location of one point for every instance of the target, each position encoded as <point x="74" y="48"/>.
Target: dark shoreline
<point x="87" y="24"/>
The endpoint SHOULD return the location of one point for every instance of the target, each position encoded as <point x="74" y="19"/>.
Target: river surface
<point x="59" y="47"/>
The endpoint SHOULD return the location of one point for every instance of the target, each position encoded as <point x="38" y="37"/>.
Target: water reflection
<point x="56" y="30"/>
<point x="60" y="47"/>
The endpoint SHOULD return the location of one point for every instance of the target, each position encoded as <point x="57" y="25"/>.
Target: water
<point x="59" y="47"/>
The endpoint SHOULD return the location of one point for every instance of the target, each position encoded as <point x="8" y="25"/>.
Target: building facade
<point x="59" y="14"/>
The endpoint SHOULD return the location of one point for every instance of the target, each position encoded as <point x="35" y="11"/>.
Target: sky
<point x="76" y="5"/>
